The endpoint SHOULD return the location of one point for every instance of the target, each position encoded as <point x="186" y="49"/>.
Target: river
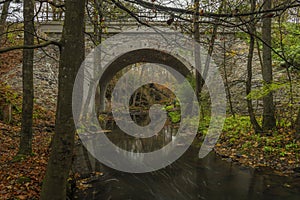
<point x="188" y="178"/>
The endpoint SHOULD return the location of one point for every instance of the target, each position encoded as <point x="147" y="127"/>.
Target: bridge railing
<point x="145" y="16"/>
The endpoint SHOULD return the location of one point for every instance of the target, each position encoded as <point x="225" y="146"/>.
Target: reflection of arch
<point x="141" y="55"/>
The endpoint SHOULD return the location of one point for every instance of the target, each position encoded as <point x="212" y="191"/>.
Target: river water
<point x="188" y="178"/>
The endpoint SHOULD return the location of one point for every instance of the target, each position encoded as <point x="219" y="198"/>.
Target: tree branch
<point x="3" y="50"/>
<point x="209" y="14"/>
<point x="121" y="6"/>
<point x="4" y="1"/>
<point x="62" y="6"/>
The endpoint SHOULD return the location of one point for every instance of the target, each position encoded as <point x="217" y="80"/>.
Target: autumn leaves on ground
<point x="21" y="177"/>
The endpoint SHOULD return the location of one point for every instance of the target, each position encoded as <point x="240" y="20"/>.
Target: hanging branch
<point x="3" y="50"/>
<point x="121" y="6"/>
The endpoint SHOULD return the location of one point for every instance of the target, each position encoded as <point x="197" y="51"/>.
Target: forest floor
<point x="21" y="177"/>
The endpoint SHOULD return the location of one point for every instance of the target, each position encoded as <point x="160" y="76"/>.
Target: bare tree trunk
<point x="269" y="121"/>
<point x="199" y="78"/>
<point x="4" y="17"/>
<point x="253" y="120"/>
<point x="211" y="46"/>
<point x="98" y="15"/>
<point x="27" y="70"/>
<point x="97" y="26"/>
<point x="226" y="80"/>
<point x="297" y="124"/>
<point x="72" y="55"/>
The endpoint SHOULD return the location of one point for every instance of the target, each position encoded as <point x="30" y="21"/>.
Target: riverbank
<point x="278" y="150"/>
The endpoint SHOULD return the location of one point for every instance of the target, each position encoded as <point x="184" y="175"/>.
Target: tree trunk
<point x="98" y="18"/>
<point x="72" y="55"/>
<point x="211" y="45"/>
<point x="98" y="15"/>
<point x="4" y="17"/>
<point x="199" y="78"/>
<point x="269" y="121"/>
<point x="226" y="80"/>
<point x="297" y="124"/>
<point x="253" y="120"/>
<point x="27" y="70"/>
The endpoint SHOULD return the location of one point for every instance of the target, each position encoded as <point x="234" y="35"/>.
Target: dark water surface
<point x="187" y="178"/>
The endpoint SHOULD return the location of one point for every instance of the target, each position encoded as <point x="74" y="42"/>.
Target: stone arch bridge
<point x="53" y="28"/>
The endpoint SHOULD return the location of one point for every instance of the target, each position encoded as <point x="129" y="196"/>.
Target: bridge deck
<point x="114" y="27"/>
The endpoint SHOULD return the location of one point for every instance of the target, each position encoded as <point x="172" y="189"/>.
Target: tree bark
<point x="253" y="120"/>
<point x="4" y="17"/>
<point x="98" y="18"/>
<point x="98" y="15"/>
<point x="27" y="70"/>
<point x="269" y="121"/>
<point x="199" y="78"/>
<point x="297" y="124"/>
<point x="72" y="55"/>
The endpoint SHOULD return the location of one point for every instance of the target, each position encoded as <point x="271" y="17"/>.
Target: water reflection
<point x="188" y="178"/>
<point x="141" y="145"/>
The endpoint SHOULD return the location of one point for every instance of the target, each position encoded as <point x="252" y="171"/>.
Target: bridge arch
<point x="145" y="55"/>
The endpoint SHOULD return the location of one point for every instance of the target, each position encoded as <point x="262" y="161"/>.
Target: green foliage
<point x="173" y="112"/>
<point x="265" y="89"/>
<point x="232" y="141"/>
<point x="243" y="36"/>
<point x="287" y="43"/>
<point x="283" y="122"/>
<point x="203" y="125"/>
<point x="283" y="153"/>
<point x="269" y="149"/>
<point x="240" y="135"/>
<point x="291" y="145"/>
<point x="236" y="125"/>
<point x="247" y="145"/>
<point x="174" y="116"/>
<point x="11" y="38"/>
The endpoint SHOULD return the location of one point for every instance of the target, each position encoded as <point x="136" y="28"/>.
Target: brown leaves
<point x="10" y="59"/>
<point x="22" y="178"/>
<point x="85" y="183"/>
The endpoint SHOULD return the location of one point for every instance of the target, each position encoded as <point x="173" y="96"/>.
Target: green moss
<point x="174" y="116"/>
<point x="18" y="158"/>
<point x="23" y="179"/>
